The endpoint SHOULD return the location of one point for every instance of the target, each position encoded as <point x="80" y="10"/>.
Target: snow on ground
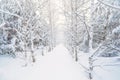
<point x="107" y="73"/>
<point x="56" y="65"/>
<point x="107" y="68"/>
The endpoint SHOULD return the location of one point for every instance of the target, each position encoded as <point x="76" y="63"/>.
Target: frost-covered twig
<point x="96" y="50"/>
<point x="10" y="13"/>
<point x="109" y="5"/>
<point x="19" y="5"/>
<point x="112" y="64"/>
<point x="113" y="48"/>
<point x="84" y="67"/>
<point x="1" y="25"/>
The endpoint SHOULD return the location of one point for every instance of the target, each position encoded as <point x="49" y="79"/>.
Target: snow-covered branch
<point x="109" y="5"/>
<point x="2" y="11"/>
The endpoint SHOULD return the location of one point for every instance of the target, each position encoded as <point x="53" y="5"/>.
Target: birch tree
<point x="26" y="18"/>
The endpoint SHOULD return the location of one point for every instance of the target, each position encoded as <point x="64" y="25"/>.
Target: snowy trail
<point x="57" y="65"/>
<point x="60" y="66"/>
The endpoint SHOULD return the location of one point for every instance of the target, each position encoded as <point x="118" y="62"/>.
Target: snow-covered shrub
<point x="116" y="33"/>
<point x="19" y="49"/>
<point x="109" y="53"/>
<point x="7" y="40"/>
<point x="7" y="50"/>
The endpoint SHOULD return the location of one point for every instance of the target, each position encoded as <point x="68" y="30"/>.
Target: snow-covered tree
<point x="26" y="25"/>
<point x="76" y="32"/>
<point x="95" y="24"/>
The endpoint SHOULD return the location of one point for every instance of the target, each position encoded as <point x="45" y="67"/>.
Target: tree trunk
<point x="76" y="54"/>
<point x="32" y="56"/>
<point x="90" y="68"/>
<point x="42" y="51"/>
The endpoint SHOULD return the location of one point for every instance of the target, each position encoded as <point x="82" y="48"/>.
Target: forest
<point x="59" y="39"/>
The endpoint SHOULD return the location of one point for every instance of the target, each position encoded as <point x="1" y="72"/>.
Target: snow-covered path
<point x="57" y="65"/>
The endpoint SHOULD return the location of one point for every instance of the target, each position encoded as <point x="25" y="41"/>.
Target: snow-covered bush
<point x="116" y="33"/>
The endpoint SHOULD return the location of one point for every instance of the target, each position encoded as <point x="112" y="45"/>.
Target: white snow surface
<point x="56" y="65"/>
